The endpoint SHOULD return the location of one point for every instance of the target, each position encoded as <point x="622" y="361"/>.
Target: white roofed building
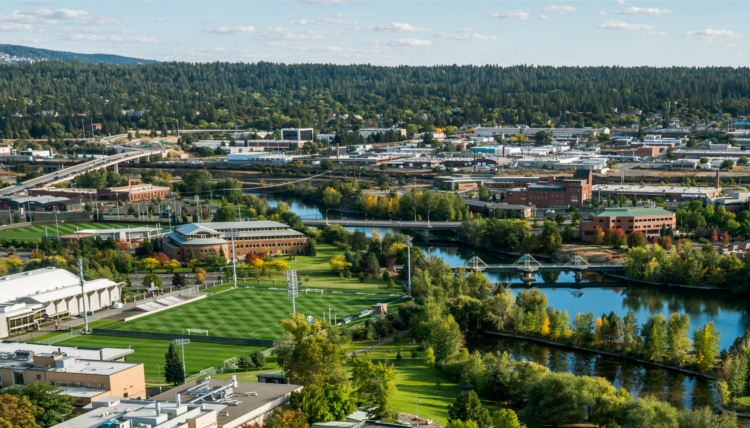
<point x="47" y="294"/>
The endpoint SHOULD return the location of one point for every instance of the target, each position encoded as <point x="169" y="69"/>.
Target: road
<point x="72" y="172"/>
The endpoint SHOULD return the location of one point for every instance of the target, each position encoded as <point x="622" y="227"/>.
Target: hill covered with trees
<point x="270" y="96"/>
<point x="38" y="54"/>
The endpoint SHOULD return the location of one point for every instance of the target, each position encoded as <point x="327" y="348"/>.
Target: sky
<point x="392" y="32"/>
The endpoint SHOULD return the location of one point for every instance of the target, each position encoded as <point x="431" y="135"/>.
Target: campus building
<point x="129" y="193"/>
<point x="297" y="134"/>
<point x="472" y="181"/>
<point x="648" y="221"/>
<point x="677" y="193"/>
<point x="555" y="191"/>
<point x="85" y="373"/>
<point x="49" y="294"/>
<point x="212" y="239"/>
<point x="39" y="203"/>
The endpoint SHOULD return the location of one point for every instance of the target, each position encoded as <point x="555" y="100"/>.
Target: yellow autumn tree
<point x="369" y="204"/>
<point x="258" y="264"/>
<point x="545" y="327"/>
<point x="598" y="330"/>
<point x="339" y="264"/>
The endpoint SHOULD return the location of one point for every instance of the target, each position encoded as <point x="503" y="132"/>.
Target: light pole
<point x="83" y="296"/>
<point x="233" y="233"/>
<point x="56" y="211"/>
<point x="416" y="401"/>
<point x="158" y="370"/>
<point x="292" y="291"/>
<point x="182" y="342"/>
<point x="408" y="266"/>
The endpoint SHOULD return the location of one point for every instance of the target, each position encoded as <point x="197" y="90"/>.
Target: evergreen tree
<point x="173" y="371"/>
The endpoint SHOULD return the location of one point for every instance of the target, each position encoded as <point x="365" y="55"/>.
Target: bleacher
<point x="148" y="306"/>
<point x="167" y="301"/>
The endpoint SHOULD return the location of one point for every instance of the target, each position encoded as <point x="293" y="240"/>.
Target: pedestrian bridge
<point x="528" y="264"/>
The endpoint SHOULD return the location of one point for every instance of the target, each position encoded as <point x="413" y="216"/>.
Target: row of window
<point x="79" y="384"/>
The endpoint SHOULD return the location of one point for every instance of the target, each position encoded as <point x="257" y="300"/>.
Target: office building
<point x="676" y="193"/>
<point x="85" y="373"/>
<point x="648" y="221"/>
<point x="39" y="203"/>
<point x="211" y="239"/>
<point x="129" y="193"/>
<point x="555" y="191"/>
<point x="733" y="204"/>
<point x="297" y="134"/>
<point x="472" y="181"/>
<point x="276" y="144"/>
<point x="49" y="294"/>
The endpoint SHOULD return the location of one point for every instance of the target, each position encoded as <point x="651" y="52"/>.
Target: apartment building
<point x="213" y="239"/>
<point x="648" y="221"/>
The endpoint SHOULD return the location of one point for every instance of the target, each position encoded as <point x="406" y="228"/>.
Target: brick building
<point x="85" y="373"/>
<point x="554" y="192"/>
<point x="129" y="193"/>
<point x="648" y="221"/>
<point x="210" y="239"/>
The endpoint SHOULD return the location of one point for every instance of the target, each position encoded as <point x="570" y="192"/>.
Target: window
<point x="18" y="378"/>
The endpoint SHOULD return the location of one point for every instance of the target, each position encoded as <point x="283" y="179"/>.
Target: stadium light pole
<point x="408" y="255"/>
<point x="83" y="295"/>
<point x="233" y="233"/>
<point x="291" y="288"/>
<point x="182" y="342"/>
<point x="56" y="226"/>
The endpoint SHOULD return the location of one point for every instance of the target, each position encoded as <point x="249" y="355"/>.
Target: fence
<point x="60" y="337"/>
<point x="192" y="337"/>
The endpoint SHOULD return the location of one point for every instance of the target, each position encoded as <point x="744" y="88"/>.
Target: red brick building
<point x="648" y="221"/>
<point x="130" y="193"/>
<point x="555" y="192"/>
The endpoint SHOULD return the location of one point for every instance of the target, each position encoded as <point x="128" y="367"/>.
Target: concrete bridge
<point x="63" y="175"/>
<point x="422" y="228"/>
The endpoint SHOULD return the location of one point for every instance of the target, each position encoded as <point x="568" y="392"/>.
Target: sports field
<point x="38" y="232"/>
<point x="249" y="313"/>
<point x="198" y="356"/>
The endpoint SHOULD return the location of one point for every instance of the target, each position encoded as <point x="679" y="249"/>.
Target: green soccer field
<point x="198" y="356"/>
<point x="38" y="232"/>
<point x="249" y="313"/>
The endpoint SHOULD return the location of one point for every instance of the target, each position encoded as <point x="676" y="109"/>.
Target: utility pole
<point x="83" y="296"/>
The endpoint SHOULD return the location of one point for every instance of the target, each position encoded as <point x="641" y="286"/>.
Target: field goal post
<point x="197" y="331"/>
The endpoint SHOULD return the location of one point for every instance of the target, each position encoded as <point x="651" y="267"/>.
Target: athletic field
<point x="249" y="313"/>
<point x="38" y="232"/>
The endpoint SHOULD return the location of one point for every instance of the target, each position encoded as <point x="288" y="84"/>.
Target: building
<point x="480" y="162"/>
<point x="554" y="192"/>
<point x="233" y="150"/>
<point x="242" y="402"/>
<point x="111" y="412"/>
<point x="733" y="204"/>
<point x="676" y="193"/>
<point x="526" y="131"/>
<point x="366" y="132"/>
<point x="297" y="134"/>
<point x="472" y="181"/>
<point x="276" y="144"/>
<point x="263" y="158"/>
<point x="641" y="151"/>
<point x="422" y="162"/>
<point x="49" y="294"/>
<point x="648" y="221"/>
<point x="85" y="373"/>
<point x="133" y="193"/>
<point x="210" y="239"/>
<point x="40" y="203"/>
<point x="328" y="138"/>
<point x="130" y="234"/>
<point x="497" y="210"/>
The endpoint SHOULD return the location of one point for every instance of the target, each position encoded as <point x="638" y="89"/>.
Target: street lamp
<point x="182" y="342"/>
<point x="233" y="233"/>
<point x="56" y="211"/>
<point x="83" y="295"/>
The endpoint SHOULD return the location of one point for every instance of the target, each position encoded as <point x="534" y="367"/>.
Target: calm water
<point x="678" y="389"/>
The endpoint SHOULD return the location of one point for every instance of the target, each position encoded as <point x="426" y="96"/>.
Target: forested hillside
<point x="50" y="55"/>
<point x="269" y="96"/>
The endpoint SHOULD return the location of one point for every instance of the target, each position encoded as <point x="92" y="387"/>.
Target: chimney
<point x="337" y="150"/>
<point x="129" y="183"/>
<point x="158" y="408"/>
<point x="101" y="355"/>
<point x="717" y="179"/>
<point x="177" y="399"/>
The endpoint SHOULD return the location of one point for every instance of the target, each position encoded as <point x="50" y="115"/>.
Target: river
<point x="729" y="312"/>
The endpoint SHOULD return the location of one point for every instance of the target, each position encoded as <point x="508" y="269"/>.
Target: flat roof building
<point x="555" y="191"/>
<point x="49" y="294"/>
<point x="650" y="192"/>
<point x="243" y="402"/>
<point x="297" y="134"/>
<point x="648" y="221"/>
<point x="85" y="373"/>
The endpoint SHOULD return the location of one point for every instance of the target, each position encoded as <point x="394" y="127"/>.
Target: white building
<point x="297" y="134"/>
<point x="49" y="293"/>
<point x="366" y="132"/>
<point x="555" y="132"/>
<point x="212" y="144"/>
<point x="242" y="158"/>
<point x="325" y="137"/>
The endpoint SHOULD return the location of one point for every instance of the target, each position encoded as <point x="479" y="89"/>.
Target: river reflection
<point x="678" y="389"/>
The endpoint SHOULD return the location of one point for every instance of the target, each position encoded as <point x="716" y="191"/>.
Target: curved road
<point x="72" y="172"/>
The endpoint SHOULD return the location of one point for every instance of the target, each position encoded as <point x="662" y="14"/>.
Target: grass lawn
<point x="198" y="356"/>
<point x="247" y="313"/>
<point x="322" y="280"/>
<point x="324" y="253"/>
<point x="38" y="232"/>
<point x="414" y="378"/>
